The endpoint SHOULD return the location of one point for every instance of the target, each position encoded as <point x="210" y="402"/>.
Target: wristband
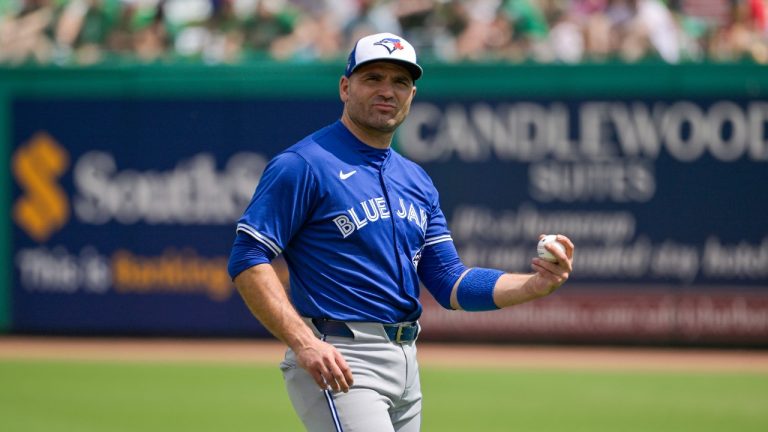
<point x="475" y="292"/>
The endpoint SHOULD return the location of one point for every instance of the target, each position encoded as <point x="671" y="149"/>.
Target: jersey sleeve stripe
<point x="438" y="239"/>
<point x="260" y="237"/>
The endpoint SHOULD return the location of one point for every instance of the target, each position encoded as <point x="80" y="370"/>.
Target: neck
<point x="373" y="138"/>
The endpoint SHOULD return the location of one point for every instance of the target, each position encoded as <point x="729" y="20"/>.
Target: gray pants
<point x="385" y="397"/>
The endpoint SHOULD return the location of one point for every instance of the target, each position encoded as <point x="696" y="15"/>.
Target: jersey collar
<point x="372" y="155"/>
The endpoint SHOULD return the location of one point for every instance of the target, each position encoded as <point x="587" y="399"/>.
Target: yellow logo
<point x="37" y="166"/>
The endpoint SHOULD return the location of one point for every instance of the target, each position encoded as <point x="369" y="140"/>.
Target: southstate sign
<point x="43" y="207"/>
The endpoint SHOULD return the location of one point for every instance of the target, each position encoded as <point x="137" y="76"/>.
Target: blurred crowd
<point x="84" y="32"/>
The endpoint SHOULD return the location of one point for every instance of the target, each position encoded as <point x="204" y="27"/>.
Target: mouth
<point x="384" y="107"/>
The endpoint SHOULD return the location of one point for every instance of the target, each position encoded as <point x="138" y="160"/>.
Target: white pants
<point x="385" y="397"/>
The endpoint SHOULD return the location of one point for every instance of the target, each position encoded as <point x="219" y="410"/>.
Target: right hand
<point x="326" y="366"/>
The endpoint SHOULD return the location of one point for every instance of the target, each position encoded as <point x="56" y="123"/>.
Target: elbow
<point x="442" y="288"/>
<point x="444" y="299"/>
<point x="246" y="253"/>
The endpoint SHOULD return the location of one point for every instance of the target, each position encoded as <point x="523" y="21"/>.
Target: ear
<point x="344" y="89"/>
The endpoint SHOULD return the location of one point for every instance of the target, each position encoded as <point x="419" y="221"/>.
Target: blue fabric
<point x="475" y="292"/>
<point x="246" y="253"/>
<point x="439" y="269"/>
<point x="353" y="223"/>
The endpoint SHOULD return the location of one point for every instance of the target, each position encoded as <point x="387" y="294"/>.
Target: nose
<point x="387" y="89"/>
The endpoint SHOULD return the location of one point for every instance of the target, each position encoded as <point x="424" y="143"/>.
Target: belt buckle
<point x="399" y="334"/>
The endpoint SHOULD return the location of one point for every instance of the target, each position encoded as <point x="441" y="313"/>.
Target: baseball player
<point x="360" y="226"/>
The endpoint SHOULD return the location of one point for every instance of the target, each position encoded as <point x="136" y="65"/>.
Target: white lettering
<point x="192" y="193"/>
<point x="402" y="213"/>
<point x="684" y="130"/>
<point x="676" y="261"/>
<point x="635" y="131"/>
<point x="374" y="210"/>
<point x="530" y="131"/>
<point x="359" y="223"/>
<point x="720" y="115"/>
<point x="58" y="271"/>
<point x="527" y="222"/>
<point x="412" y="216"/>
<point x="739" y="261"/>
<point x="563" y="148"/>
<point x="758" y="119"/>
<point x="616" y="181"/>
<point x="418" y="134"/>
<point x="457" y="129"/>
<point x="344" y="225"/>
<point x="595" y="131"/>
<point x="381" y="203"/>
<point x="371" y="214"/>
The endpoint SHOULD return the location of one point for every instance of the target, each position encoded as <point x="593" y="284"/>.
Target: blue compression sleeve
<point x="246" y="253"/>
<point x="475" y="292"/>
<point x="439" y="269"/>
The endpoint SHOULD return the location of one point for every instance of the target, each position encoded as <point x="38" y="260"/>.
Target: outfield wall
<point x="125" y="184"/>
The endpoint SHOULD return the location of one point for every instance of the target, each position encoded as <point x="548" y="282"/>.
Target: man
<point x="360" y="226"/>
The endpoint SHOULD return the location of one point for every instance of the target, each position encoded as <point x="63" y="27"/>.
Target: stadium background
<point x="134" y="133"/>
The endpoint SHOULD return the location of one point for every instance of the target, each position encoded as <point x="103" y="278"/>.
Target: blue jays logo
<point x="391" y="44"/>
<point x="416" y="258"/>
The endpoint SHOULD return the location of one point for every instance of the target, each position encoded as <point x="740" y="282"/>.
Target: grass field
<point x="110" y="396"/>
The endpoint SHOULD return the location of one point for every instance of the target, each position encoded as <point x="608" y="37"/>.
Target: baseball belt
<point x="398" y="333"/>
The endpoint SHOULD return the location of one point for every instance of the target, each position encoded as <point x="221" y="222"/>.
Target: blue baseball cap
<point x="384" y="47"/>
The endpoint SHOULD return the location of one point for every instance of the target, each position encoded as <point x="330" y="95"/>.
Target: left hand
<point x="550" y="276"/>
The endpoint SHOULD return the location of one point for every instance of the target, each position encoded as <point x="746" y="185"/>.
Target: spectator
<point x="230" y="31"/>
<point x="315" y="35"/>
<point x="150" y="41"/>
<point x="83" y="28"/>
<point x="27" y="36"/>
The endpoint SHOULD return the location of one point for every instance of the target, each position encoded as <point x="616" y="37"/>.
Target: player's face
<point x="377" y="96"/>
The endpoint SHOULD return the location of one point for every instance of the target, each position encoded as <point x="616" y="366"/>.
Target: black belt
<point x="399" y="333"/>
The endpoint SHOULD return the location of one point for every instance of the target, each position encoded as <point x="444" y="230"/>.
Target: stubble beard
<point x="378" y="122"/>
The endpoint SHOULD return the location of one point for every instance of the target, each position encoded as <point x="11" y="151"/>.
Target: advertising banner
<point x="5" y="228"/>
<point x="123" y="210"/>
<point x="666" y="201"/>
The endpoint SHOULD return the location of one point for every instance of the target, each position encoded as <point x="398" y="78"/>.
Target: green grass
<point x="505" y="400"/>
<point x="53" y="396"/>
<point x="56" y="396"/>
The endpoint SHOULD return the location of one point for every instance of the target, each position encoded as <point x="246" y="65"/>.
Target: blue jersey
<point x="352" y="222"/>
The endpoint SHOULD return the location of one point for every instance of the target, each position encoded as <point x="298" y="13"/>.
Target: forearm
<point x="487" y="289"/>
<point x="510" y="289"/>
<point x="265" y="296"/>
<point x="514" y="288"/>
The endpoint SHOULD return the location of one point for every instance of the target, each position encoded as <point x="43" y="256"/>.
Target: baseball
<point x="543" y="252"/>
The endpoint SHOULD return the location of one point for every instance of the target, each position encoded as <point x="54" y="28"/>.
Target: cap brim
<point x="415" y="70"/>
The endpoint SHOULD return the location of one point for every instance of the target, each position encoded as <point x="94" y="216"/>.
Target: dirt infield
<point x="430" y="354"/>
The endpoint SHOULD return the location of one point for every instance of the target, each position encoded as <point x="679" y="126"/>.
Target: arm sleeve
<point x="439" y="269"/>
<point x="246" y="253"/>
<point x="281" y="203"/>
<point x="440" y="266"/>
